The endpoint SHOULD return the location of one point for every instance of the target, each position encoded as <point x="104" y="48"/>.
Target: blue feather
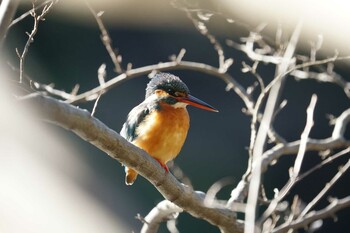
<point x="135" y="117"/>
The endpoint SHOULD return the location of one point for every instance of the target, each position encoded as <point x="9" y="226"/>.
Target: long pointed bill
<point x="191" y="100"/>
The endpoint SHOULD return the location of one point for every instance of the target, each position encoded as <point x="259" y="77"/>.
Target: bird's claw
<point x="163" y="165"/>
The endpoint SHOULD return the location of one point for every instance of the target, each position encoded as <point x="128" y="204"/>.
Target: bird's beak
<point x="191" y="100"/>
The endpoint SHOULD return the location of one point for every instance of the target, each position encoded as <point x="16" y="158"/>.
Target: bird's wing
<point x="135" y="117"/>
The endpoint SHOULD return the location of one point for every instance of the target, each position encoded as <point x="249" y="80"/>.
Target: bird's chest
<point x="163" y="132"/>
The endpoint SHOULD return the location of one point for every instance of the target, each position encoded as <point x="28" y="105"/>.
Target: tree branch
<point x="162" y="212"/>
<point x="37" y="18"/>
<point x="337" y="140"/>
<point x="328" y="212"/>
<point x="261" y="136"/>
<point x="327" y="187"/>
<point x="106" y="39"/>
<point x="294" y="173"/>
<point x="98" y="134"/>
<point x="7" y="11"/>
<point x="173" y="65"/>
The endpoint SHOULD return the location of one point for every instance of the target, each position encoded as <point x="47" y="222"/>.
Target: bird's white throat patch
<point x="179" y="105"/>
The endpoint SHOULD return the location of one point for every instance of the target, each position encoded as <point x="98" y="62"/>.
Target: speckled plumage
<point x="167" y="82"/>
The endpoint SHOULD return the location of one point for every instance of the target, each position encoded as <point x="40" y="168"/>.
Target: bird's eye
<point x="171" y="92"/>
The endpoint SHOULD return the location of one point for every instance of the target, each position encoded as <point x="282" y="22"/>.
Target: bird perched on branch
<point x="160" y="123"/>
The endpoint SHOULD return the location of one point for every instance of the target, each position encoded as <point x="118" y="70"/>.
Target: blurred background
<point x="53" y="181"/>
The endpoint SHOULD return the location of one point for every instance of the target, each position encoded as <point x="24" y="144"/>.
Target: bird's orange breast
<point x="163" y="132"/>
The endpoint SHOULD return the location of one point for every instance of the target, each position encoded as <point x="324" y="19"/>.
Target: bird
<point x="159" y="124"/>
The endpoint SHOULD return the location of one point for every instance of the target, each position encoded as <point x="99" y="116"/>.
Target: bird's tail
<point x="130" y="176"/>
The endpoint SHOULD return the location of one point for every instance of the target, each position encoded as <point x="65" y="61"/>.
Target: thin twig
<point x="298" y="162"/>
<point x="337" y="140"/>
<point x="26" y="14"/>
<point x="304" y="137"/>
<point x="324" y="162"/>
<point x="106" y="39"/>
<point x="327" y="187"/>
<point x="101" y="75"/>
<point x="248" y="49"/>
<point x="202" y="28"/>
<point x="95" y="105"/>
<point x="327" y="212"/>
<point x="323" y="77"/>
<point x="37" y="18"/>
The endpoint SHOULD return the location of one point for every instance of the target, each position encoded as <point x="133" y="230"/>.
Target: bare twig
<point x="248" y="49"/>
<point x="26" y="14"/>
<point x="328" y="212"/>
<point x="297" y="164"/>
<point x="301" y="66"/>
<point x="324" y="162"/>
<point x="164" y="211"/>
<point x="180" y="55"/>
<point x="327" y="187"/>
<point x="304" y="137"/>
<point x="37" y="18"/>
<point x="202" y="28"/>
<point x="50" y="89"/>
<point x="252" y="70"/>
<point x="95" y="105"/>
<point x="292" y="182"/>
<point x="106" y="39"/>
<point x="101" y="74"/>
<point x="335" y="141"/>
<point x="324" y="77"/>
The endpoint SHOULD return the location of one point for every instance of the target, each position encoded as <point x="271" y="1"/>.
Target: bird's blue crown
<point x="167" y="82"/>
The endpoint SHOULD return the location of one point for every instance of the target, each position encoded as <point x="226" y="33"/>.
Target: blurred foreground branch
<point x="7" y="11"/>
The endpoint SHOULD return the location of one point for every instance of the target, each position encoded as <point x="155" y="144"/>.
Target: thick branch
<point x="94" y="131"/>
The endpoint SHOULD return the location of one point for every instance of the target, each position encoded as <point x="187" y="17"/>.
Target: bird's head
<point x="169" y="89"/>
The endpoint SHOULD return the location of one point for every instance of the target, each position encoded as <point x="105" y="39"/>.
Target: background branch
<point x="328" y="212"/>
<point x="106" y="39"/>
<point x="262" y="133"/>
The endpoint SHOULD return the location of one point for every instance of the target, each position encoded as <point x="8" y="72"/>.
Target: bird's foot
<point x="163" y="165"/>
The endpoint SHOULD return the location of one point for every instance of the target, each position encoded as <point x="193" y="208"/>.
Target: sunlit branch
<point x="164" y="211"/>
<point x="328" y="212"/>
<point x="92" y="130"/>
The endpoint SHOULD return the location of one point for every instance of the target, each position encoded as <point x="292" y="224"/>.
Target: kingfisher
<point x="160" y="123"/>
